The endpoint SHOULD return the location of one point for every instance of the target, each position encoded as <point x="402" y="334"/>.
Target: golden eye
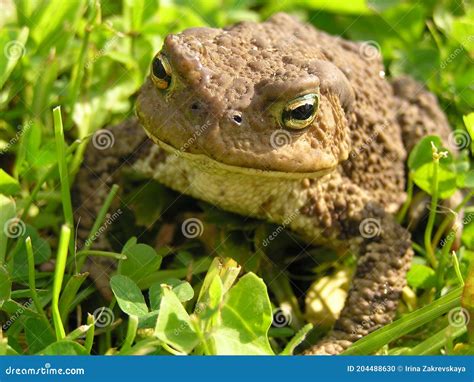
<point x="161" y="71"/>
<point x="300" y="112"/>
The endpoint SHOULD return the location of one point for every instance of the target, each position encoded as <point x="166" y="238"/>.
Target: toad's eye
<point x="300" y="112"/>
<point x="161" y="71"/>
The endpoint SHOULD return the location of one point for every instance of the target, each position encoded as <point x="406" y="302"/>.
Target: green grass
<point x="69" y="68"/>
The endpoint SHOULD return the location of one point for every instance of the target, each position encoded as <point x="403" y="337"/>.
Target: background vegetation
<point x="90" y="58"/>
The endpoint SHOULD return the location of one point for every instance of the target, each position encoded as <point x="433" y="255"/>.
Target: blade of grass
<point x="32" y="282"/>
<point x="61" y="257"/>
<point x="375" y="340"/>
<point x="63" y="173"/>
<point x="68" y="295"/>
<point x="98" y="222"/>
<point x="90" y="333"/>
<point x="432" y="344"/>
<point x="32" y="197"/>
<point x="457" y="270"/>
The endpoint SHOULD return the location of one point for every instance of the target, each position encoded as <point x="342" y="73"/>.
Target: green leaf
<point x="182" y="289"/>
<point x="142" y="260"/>
<point x="148" y="202"/>
<point x="245" y="321"/>
<point x="5" y="285"/>
<point x="208" y="303"/>
<point x="421" y="154"/>
<point x="64" y="347"/>
<point x="8" y="184"/>
<point x="469" y="123"/>
<point x="13" y="43"/>
<point x="174" y="324"/>
<point x="128" y="295"/>
<point x="38" y="335"/>
<point x="7" y="212"/>
<point x="41" y="250"/>
<point x="446" y="180"/>
<point x="421" y="276"/>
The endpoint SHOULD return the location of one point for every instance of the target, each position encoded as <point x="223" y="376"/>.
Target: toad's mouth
<point x="206" y="162"/>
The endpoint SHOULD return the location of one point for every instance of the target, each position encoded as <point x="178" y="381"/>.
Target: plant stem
<point x="32" y="282"/>
<point x="456" y="268"/>
<point x="443" y="260"/>
<point x="32" y="197"/>
<point x="98" y="222"/>
<point x="63" y="173"/>
<point x="131" y="333"/>
<point x="432" y="216"/>
<point x="447" y="221"/>
<point x="92" y="252"/>
<point x="61" y="257"/>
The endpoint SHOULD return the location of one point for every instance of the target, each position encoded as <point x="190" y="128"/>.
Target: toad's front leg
<point x="384" y="256"/>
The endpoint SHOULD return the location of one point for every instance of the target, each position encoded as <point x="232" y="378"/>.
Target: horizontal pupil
<point x="302" y="112"/>
<point x="159" y="70"/>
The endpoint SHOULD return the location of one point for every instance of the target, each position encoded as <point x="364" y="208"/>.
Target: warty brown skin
<point x="343" y="174"/>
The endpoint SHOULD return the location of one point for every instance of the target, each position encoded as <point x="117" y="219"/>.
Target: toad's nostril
<point x="237" y="118"/>
<point x="195" y="106"/>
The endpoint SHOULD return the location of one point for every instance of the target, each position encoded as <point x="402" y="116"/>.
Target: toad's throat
<point x="209" y="163"/>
